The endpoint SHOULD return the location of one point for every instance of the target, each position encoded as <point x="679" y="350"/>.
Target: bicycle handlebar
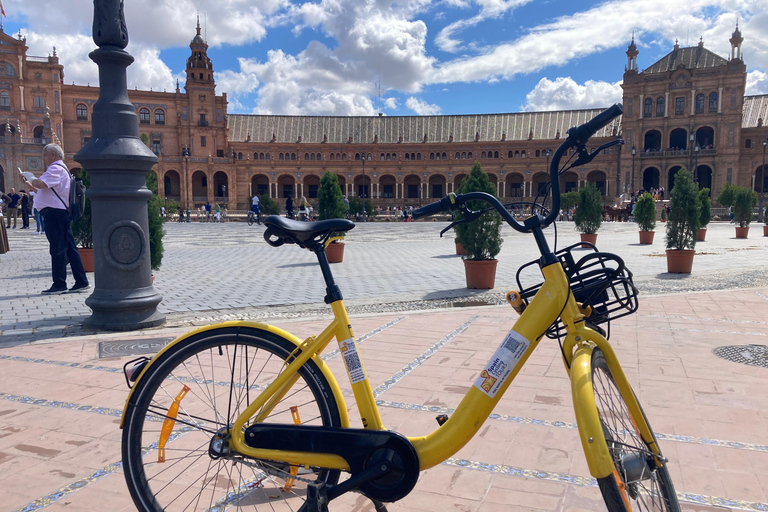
<point x="577" y="137"/>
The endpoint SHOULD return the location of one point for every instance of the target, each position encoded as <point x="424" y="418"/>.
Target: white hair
<point x="54" y="149"/>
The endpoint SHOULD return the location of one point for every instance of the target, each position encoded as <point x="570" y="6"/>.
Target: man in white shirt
<point x="52" y="201"/>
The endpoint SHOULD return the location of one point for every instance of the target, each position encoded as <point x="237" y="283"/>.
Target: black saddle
<point x="304" y="234"/>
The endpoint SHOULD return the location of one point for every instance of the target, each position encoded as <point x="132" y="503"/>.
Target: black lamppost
<point x="696" y="163"/>
<point x="365" y="155"/>
<point x="762" y="183"/>
<point x="118" y="161"/>
<point x="632" y="187"/>
<point x="692" y="139"/>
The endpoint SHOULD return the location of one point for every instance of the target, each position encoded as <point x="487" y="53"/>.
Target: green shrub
<point x="589" y="211"/>
<point x="664" y="214"/>
<point x="267" y="205"/>
<point x="569" y="200"/>
<point x="356" y="206"/>
<point x="156" y="230"/>
<point x="482" y="238"/>
<point x="83" y="228"/>
<point x="645" y="212"/>
<point x="706" y="208"/>
<point x="330" y="199"/>
<point x="744" y="202"/>
<point x="726" y="195"/>
<point x="684" y="213"/>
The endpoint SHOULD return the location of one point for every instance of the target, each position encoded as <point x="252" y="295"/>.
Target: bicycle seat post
<point x="332" y="291"/>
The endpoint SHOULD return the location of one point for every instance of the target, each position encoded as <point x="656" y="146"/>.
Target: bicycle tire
<point x="250" y="219"/>
<point x="625" y="491"/>
<point x="190" y="479"/>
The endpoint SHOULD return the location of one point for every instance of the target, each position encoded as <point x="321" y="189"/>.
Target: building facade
<point x="686" y="110"/>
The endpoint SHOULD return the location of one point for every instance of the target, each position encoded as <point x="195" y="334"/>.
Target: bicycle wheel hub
<point x="635" y="467"/>
<point x="219" y="445"/>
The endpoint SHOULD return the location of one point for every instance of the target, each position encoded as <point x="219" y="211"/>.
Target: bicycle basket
<point x="599" y="280"/>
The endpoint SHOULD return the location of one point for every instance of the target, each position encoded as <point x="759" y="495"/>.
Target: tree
<point x="706" y="207"/>
<point x="589" y="212"/>
<point x="82" y="229"/>
<point x="645" y="212"/>
<point x="482" y="238"/>
<point x="684" y="213"/>
<point x="569" y="200"/>
<point x="744" y="202"/>
<point x="329" y="197"/>
<point x="726" y="195"/>
<point x="156" y="230"/>
<point x="267" y="205"/>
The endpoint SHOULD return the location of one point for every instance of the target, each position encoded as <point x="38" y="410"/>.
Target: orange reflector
<point x="169" y="422"/>
<point x="294" y="469"/>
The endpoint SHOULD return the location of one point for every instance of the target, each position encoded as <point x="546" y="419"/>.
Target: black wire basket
<point x="599" y="280"/>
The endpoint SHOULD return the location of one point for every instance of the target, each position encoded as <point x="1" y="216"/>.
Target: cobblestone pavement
<point x="227" y="270"/>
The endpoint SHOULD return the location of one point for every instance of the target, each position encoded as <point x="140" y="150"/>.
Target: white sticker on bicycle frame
<point x="502" y="363"/>
<point x="352" y="360"/>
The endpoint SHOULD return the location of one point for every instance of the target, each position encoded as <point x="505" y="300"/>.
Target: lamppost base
<point x="124" y="310"/>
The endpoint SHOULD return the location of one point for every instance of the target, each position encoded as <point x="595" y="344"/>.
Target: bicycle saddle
<point x="304" y="234"/>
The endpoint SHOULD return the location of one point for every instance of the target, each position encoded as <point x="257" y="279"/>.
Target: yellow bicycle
<point x="248" y="416"/>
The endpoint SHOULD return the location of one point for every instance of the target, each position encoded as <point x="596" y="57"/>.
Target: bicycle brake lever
<point x="585" y="157"/>
<point x="470" y="216"/>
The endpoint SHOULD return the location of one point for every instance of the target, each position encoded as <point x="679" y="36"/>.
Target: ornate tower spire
<point x="632" y="55"/>
<point x="199" y="67"/>
<point x="736" y="41"/>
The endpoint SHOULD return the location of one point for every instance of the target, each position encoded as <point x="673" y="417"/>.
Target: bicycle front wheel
<point x="204" y="383"/>
<point x="641" y="480"/>
<point x="250" y="219"/>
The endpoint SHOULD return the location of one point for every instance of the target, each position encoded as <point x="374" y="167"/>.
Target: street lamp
<point x="632" y="187"/>
<point x="365" y="155"/>
<point x="696" y="164"/>
<point x="762" y="183"/>
<point x="548" y="154"/>
<point x="692" y="139"/>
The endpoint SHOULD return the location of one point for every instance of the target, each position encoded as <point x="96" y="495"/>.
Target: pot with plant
<point x="706" y="214"/>
<point x="481" y="238"/>
<point x="645" y="216"/>
<point x="82" y="228"/>
<point x="331" y="206"/>
<point x="684" y="218"/>
<point x="589" y="214"/>
<point x="744" y="202"/>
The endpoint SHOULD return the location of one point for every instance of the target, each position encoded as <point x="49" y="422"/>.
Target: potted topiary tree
<point x="684" y="218"/>
<point x="82" y="228"/>
<point x="481" y="238"/>
<point x="744" y="202"/>
<point x="156" y="230"/>
<point x="589" y="213"/>
<point x="765" y="221"/>
<point x="645" y="216"/>
<point x="706" y="214"/>
<point x="331" y="206"/>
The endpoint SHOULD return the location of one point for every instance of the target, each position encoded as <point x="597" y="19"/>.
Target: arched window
<point x="269" y="157"/>
<point x="82" y="110"/>
<point x="463" y="155"/>
<point x="648" y="108"/>
<point x="370" y="157"/>
<point x="469" y="155"/>
<point x="522" y="154"/>
<point x="281" y="157"/>
<point x="343" y="156"/>
<point x="256" y="156"/>
<point x="306" y="157"/>
<point x="239" y="156"/>
<point x="538" y="153"/>
<point x="443" y="156"/>
<point x="357" y="156"/>
<point x="713" y="102"/>
<point x="418" y="156"/>
<point x="159" y="116"/>
<point x="144" y="115"/>
<point x="381" y="157"/>
<point x="458" y="155"/>
<point x="389" y="156"/>
<point x="319" y="156"/>
<point x="311" y="156"/>
<point x="660" y="107"/>
<point x="413" y="156"/>
<point x="517" y="154"/>
<point x="495" y="154"/>
<point x="431" y="156"/>
<point x="438" y="156"/>
<point x="407" y="156"/>
<point x="699" y="103"/>
<point x="394" y="156"/>
<point x="748" y="143"/>
<point x="333" y="156"/>
<point x="482" y="155"/>
<point x="5" y="99"/>
<point x="293" y="156"/>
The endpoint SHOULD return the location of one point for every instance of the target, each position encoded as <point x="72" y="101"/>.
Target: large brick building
<point x="686" y="110"/>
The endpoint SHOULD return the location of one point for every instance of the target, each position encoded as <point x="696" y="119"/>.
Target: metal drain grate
<point x="122" y="348"/>
<point x="753" y="355"/>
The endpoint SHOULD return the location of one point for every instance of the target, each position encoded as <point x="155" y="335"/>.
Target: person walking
<point x="53" y="202"/>
<point x="218" y="212"/>
<point x="289" y="206"/>
<point x="26" y="202"/>
<point x="39" y="224"/>
<point x="4" y="248"/>
<point x="13" y="208"/>
<point x="255" y="208"/>
<point x="207" y="212"/>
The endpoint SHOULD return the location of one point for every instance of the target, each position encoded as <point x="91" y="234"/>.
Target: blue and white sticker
<point x="502" y="363"/>
<point x="352" y="361"/>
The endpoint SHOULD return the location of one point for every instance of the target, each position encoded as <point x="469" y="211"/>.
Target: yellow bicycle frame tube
<point x="258" y="326"/>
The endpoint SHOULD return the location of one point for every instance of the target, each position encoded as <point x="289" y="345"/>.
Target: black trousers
<point x="24" y="217"/>
<point x="63" y="248"/>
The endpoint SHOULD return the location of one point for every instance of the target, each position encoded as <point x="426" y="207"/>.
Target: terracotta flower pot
<point x="335" y="252"/>
<point x="701" y="235"/>
<point x="680" y="261"/>
<point x="742" y="232"/>
<point x="481" y="274"/>
<point x="765" y="230"/>
<point x="646" y="237"/>
<point x="87" y="256"/>
<point x="590" y="238"/>
<point x="460" y="249"/>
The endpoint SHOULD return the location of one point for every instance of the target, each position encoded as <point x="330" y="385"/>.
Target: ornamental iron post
<point x="118" y="162"/>
<point x="760" y="214"/>
<point x="633" y="189"/>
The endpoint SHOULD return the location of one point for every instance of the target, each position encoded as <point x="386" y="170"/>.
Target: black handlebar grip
<point x="433" y="208"/>
<point x="582" y="133"/>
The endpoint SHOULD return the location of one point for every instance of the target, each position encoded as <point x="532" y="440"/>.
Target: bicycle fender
<point x="590" y="429"/>
<point x="259" y="327"/>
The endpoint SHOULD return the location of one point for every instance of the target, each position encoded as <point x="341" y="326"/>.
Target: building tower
<point x="736" y="41"/>
<point x="199" y="67"/>
<point x="632" y="55"/>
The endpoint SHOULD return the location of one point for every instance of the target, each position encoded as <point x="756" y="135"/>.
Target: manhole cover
<point x="122" y="348"/>
<point x="753" y="355"/>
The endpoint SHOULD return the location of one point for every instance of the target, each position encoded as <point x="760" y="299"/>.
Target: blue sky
<point x="447" y="57"/>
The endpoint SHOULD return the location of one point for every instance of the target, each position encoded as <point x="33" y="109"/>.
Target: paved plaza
<point x="61" y="387"/>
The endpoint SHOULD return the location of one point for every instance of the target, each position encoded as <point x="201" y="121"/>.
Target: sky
<point x="409" y="57"/>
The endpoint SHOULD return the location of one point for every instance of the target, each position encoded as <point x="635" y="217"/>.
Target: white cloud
<point x="489" y="9"/>
<point x="565" y="94"/>
<point x="422" y="108"/>
<point x="757" y="83"/>
<point x="391" y="103"/>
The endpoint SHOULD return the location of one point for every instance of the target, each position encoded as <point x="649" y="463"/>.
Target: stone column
<point x="123" y="298"/>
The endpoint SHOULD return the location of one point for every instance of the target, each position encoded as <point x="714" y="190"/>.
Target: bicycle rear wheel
<point x="209" y="379"/>
<point x="250" y="219"/>
<point x="638" y="483"/>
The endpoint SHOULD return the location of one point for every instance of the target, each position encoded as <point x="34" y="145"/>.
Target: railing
<point x="35" y="140"/>
<point x="651" y="154"/>
<point x="6" y="108"/>
<point x="676" y="152"/>
<point x="203" y="123"/>
<point x="82" y="118"/>
<point x="221" y="199"/>
<point x="200" y="199"/>
<point x="36" y="59"/>
<point x="712" y="151"/>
